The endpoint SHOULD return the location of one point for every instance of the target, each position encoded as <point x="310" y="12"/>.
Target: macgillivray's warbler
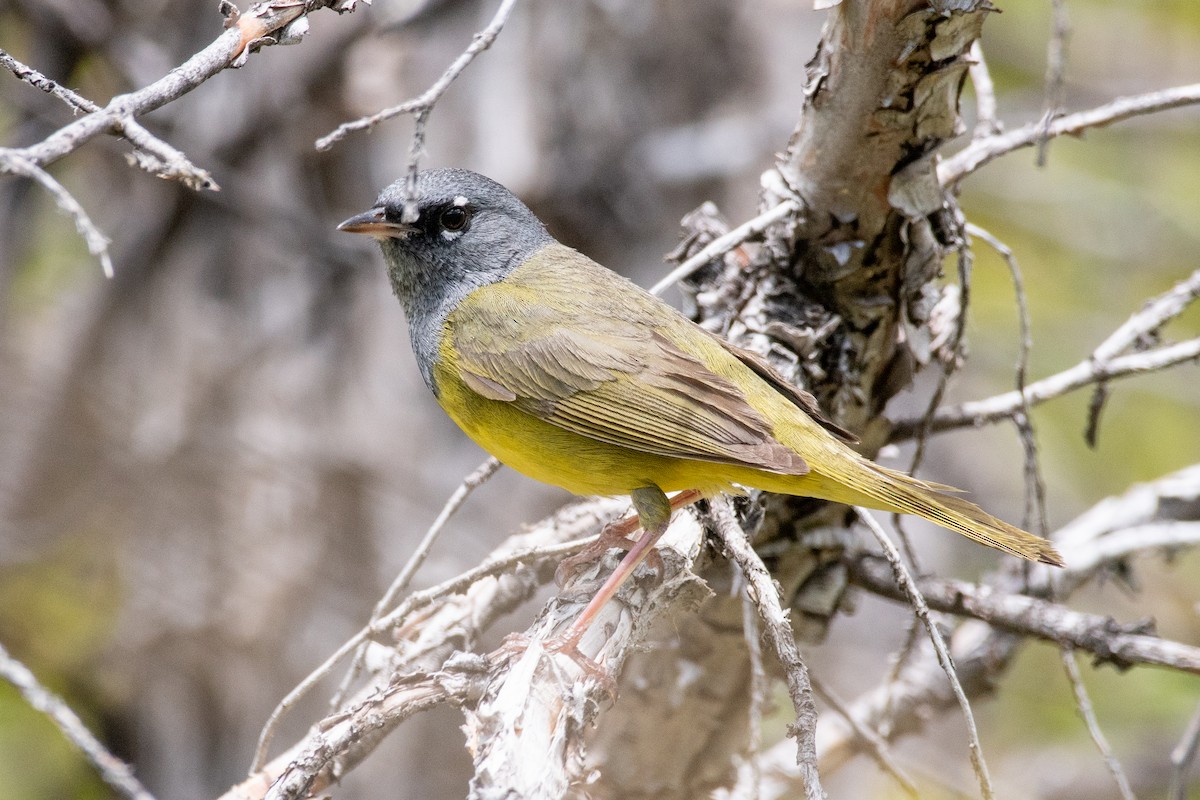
<point x="577" y="377"/>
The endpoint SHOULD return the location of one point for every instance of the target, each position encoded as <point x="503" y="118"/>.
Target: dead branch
<point x="422" y="105"/>
<point x="1106" y="639"/>
<point x="97" y="242"/>
<point x="764" y="592"/>
<point x="983" y="650"/>
<point x="541" y="702"/>
<point x="914" y="594"/>
<point x="1083" y="704"/>
<point x="1107" y="362"/>
<point x="430" y="626"/>
<point x="115" y="772"/>
<point x="1182" y="757"/>
<point x="981" y="151"/>
<point x="244" y="33"/>
<point x="265" y="23"/>
<point x="310" y="770"/>
<point x="1056" y="72"/>
<point x="872" y="742"/>
<point x="986" y="123"/>
<point x="151" y="154"/>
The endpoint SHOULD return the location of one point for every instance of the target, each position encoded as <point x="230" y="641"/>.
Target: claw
<point x="616" y="535"/>
<point x="567" y="644"/>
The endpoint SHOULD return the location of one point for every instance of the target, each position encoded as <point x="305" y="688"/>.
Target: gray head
<point x="468" y="232"/>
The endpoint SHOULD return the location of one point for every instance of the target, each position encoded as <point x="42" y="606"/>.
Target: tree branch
<point x="981" y="151"/>
<point x="1182" y="757"/>
<point x="97" y="242"/>
<point x="538" y="702"/>
<point x="308" y="771"/>
<point x="424" y="103"/>
<point x="152" y="154"/>
<point x="244" y="32"/>
<point x="453" y="616"/>
<point x="776" y="623"/>
<point x="1107" y="640"/>
<point x="115" y="772"/>
<point x="914" y="595"/>
<point x="1103" y="364"/>
<point x="1083" y="704"/>
<point x="919" y="691"/>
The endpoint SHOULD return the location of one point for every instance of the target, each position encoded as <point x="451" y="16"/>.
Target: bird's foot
<point x="566" y="644"/>
<point x="619" y="535"/>
<point x="616" y="535"/>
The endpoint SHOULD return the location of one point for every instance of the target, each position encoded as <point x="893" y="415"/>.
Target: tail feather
<point x="902" y="493"/>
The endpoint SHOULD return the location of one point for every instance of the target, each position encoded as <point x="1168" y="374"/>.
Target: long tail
<point x="887" y="490"/>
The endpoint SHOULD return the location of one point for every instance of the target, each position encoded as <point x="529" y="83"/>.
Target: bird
<point x="575" y="376"/>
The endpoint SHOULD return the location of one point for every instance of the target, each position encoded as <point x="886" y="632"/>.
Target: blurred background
<point x="213" y="464"/>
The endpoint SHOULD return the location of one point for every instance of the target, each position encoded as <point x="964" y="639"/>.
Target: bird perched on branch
<point x="575" y="376"/>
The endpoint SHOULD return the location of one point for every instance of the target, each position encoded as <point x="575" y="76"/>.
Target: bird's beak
<point x="375" y="223"/>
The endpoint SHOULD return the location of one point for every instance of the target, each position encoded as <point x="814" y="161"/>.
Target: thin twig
<point x="759" y="690"/>
<point x="1103" y="364"/>
<point x="1156" y="312"/>
<point x="1182" y="757"/>
<point x="876" y="746"/>
<point x="115" y="772"/>
<point x="478" y="476"/>
<point x="416" y="149"/>
<point x="765" y="594"/>
<point x="247" y="31"/>
<point x="1091" y="430"/>
<point x="986" y="123"/>
<point x="898" y="660"/>
<point x="1084" y="704"/>
<point x="965" y="261"/>
<point x="37" y="80"/>
<point x="474" y="480"/>
<point x="981" y="151"/>
<point x="1056" y="69"/>
<point x="424" y="102"/>
<point x="949" y="365"/>
<point x="413" y="602"/>
<point x="1035" y="485"/>
<point x="97" y="242"/>
<point x="981" y="412"/>
<point x="915" y="598"/>
<point x="723" y="244"/>
<point x="1107" y="640"/>
<point x="307" y="771"/>
<point x="152" y="154"/>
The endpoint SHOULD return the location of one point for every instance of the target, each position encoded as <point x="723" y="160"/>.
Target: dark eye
<point x="454" y="218"/>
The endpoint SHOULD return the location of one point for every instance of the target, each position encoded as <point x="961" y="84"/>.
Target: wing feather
<point x="612" y="377"/>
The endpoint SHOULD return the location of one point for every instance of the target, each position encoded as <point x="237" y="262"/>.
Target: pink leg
<point x="654" y="514"/>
